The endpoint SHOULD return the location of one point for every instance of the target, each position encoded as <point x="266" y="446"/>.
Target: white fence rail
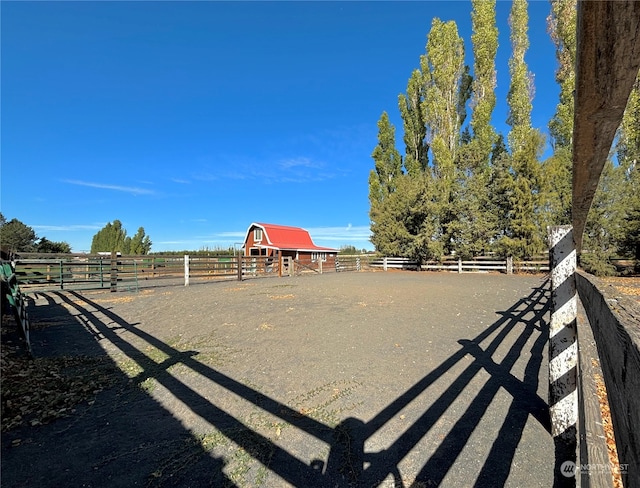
<point x="458" y="265"/>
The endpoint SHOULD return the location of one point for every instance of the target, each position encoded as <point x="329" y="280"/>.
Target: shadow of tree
<point x="133" y="417"/>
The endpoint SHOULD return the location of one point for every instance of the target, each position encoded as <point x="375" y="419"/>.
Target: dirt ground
<point x="349" y="379"/>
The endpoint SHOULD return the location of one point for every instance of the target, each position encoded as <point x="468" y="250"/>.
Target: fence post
<point x="239" y="267"/>
<point x="61" y="275"/>
<point x="384" y="263"/>
<point x="186" y="270"/>
<point x="563" y="354"/>
<point x="509" y="265"/>
<point x="358" y="263"/>
<point x="459" y="265"/>
<point x="114" y="272"/>
<point x="320" y="264"/>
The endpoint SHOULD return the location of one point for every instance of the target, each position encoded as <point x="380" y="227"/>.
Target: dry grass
<point x="607" y="425"/>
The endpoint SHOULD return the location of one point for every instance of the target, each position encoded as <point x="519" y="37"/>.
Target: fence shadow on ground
<point x="347" y="464"/>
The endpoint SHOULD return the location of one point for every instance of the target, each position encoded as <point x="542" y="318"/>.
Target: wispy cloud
<point x="299" y="162"/>
<point x="105" y="186"/>
<point x="271" y="169"/>
<point x="347" y="234"/>
<point x="231" y="235"/>
<point x="66" y="228"/>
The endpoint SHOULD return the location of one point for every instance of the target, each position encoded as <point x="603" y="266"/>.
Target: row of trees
<point x="461" y="187"/>
<point x="15" y="237"/>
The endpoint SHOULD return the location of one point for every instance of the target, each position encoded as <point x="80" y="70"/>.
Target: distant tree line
<point x="203" y="252"/>
<point x="460" y="187"/>
<point x="15" y="237"/>
<point x="350" y="249"/>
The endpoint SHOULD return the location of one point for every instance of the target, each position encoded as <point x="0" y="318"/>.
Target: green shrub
<point x="597" y="264"/>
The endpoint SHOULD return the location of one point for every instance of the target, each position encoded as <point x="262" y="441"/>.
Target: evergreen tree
<point x="15" y="236"/>
<point x="407" y="227"/>
<point x="382" y="185"/>
<point x="604" y="223"/>
<point x="630" y="232"/>
<point x="628" y="151"/>
<point x="501" y="187"/>
<point x="389" y="226"/>
<point x="45" y="245"/>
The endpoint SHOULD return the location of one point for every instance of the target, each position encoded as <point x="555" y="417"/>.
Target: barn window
<point x="257" y="235"/>
<point x="322" y="256"/>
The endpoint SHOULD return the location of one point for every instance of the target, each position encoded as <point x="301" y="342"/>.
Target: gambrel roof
<point x="286" y="238"/>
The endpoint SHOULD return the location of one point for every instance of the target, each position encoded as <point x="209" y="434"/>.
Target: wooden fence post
<point x="384" y="263"/>
<point x="459" y="265"/>
<point x="563" y="354"/>
<point x="320" y="264"/>
<point x="509" y="265"/>
<point x="114" y="272"/>
<point x="239" y="267"/>
<point x="186" y="270"/>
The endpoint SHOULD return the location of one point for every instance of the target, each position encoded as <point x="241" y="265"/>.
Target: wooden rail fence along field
<point x="42" y="272"/>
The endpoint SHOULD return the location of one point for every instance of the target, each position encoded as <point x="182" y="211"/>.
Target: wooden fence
<point x="458" y="265"/>
<point x="611" y="337"/>
<point x="42" y="272"/>
<point x="90" y="272"/>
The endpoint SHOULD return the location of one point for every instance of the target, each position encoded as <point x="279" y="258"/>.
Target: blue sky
<point x="194" y="119"/>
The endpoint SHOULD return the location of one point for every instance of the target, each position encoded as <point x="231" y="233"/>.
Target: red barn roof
<point x="285" y="237"/>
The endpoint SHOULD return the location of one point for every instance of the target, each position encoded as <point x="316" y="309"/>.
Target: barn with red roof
<point x="277" y="241"/>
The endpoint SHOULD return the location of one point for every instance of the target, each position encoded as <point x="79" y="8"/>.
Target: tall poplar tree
<point x="447" y="89"/>
<point x="419" y="217"/>
<point x="111" y="238"/>
<point x="475" y="223"/>
<point x="561" y="25"/>
<point x="525" y="236"/>
<point x="483" y="98"/>
<point x="416" y="159"/>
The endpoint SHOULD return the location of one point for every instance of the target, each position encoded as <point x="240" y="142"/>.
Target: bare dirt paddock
<point x="351" y="379"/>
